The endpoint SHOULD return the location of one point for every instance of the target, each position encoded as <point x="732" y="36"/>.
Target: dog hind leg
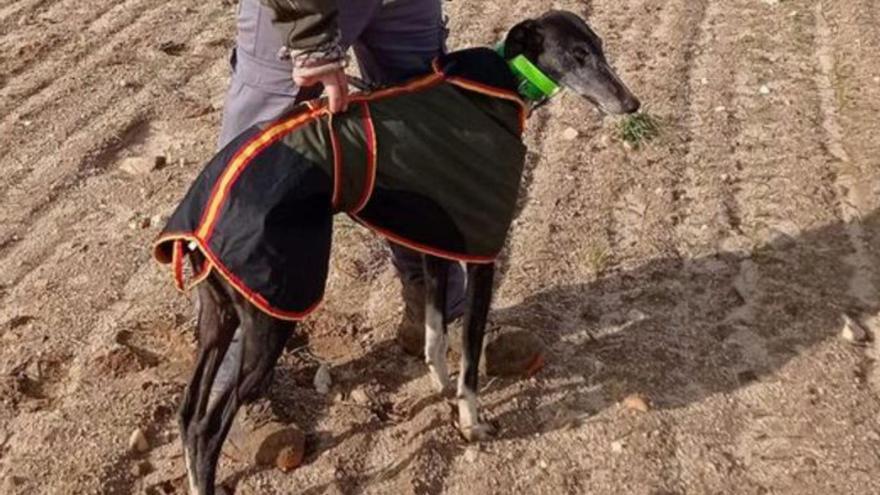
<point x="206" y="419"/>
<point x="479" y="298"/>
<point x="216" y="324"/>
<point x="436" y="342"/>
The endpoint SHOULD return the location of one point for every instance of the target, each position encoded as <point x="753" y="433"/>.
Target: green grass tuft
<point x="639" y="128"/>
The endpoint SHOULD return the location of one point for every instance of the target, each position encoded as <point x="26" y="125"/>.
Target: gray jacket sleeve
<point x="311" y="34"/>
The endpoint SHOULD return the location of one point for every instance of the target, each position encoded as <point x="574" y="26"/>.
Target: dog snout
<point x="631" y="104"/>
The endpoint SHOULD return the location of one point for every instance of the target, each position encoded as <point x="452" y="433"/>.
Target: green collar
<point x="533" y="84"/>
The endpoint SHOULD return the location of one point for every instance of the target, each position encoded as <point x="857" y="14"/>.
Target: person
<point x="287" y="50"/>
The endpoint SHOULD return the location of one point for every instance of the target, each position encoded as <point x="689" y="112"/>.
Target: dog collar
<point x="533" y="84"/>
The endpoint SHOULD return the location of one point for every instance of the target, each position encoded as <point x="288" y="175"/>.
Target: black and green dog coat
<point x="434" y="164"/>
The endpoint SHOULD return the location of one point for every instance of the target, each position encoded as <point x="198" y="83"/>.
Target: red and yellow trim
<point x="337" y="165"/>
<point x="372" y="150"/>
<point x="240" y="162"/>
<point x="213" y="264"/>
<point x="423" y="248"/>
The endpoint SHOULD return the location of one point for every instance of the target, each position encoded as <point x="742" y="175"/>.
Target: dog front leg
<point x="436" y="343"/>
<point x="479" y="298"/>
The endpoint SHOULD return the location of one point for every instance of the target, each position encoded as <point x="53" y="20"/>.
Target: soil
<point x="706" y="271"/>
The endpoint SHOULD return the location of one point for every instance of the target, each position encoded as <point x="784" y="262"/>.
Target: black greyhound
<point x="565" y="50"/>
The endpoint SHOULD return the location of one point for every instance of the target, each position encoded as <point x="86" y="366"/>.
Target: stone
<point x="142" y="468"/>
<point x="138" y="165"/>
<point x="570" y="134"/>
<point x="360" y="396"/>
<point x="470" y="454"/>
<point x="636" y="402"/>
<point x="617" y="446"/>
<point x="853" y="331"/>
<point x="262" y="444"/>
<point x="513" y="351"/>
<point x="290" y="458"/>
<point x="764" y="89"/>
<point x="137" y="442"/>
<point x="323" y="380"/>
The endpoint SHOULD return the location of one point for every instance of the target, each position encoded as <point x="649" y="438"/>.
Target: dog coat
<point x="434" y="164"/>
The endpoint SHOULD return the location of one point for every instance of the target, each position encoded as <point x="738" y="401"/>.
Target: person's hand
<point x="335" y="84"/>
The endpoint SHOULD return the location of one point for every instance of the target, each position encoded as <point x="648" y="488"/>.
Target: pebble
<point x="360" y="396"/>
<point x="514" y="352"/>
<point x="764" y="90"/>
<point x="290" y="457"/>
<point x="470" y="454"/>
<point x="636" y="402"/>
<point x="570" y="134"/>
<point x="853" y="331"/>
<point x="617" y="446"/>
<point x="323" y="380"/>
<point x="138" y="441"/>
<point x="139" y="165"/>
<point x="142" y="468"/>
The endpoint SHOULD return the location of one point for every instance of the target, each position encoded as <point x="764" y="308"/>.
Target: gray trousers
<point x="392" y="40"/>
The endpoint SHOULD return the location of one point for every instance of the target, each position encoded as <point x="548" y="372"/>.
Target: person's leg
<point x="400" y="41"/>
<point x="261" y="86"/>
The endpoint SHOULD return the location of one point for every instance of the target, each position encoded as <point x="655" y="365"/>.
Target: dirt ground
<point x="708" y="271"/>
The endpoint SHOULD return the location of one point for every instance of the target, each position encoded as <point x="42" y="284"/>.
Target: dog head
<point x="564" y="47"/>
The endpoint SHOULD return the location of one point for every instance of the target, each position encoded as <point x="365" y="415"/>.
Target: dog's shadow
<point x="674" y="330"/>
<point x="680" y="330"/>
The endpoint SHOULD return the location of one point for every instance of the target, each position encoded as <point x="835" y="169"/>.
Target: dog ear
<point x="524" y="39"/>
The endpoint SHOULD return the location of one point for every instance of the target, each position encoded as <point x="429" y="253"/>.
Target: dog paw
<point x="478" y="432"/>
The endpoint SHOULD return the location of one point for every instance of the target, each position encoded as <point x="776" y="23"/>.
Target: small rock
<point x="141" y="468"/>
<point x="720" y="109"/>
<point x="159" y="162"/>
<point x="360" y="396"/>
<point x="138" y="165"/>
<point x="853" y="331"/>
<point x="764" y="89"/>
<point x="543" y="464"/>
<point x="617" y="446"/>
<point x="138" y="441"/>
<point x="290" y="457"/>
<point x="636" y="402"/>
<point x="322" y="380"/>
<point x="254" y="441"/>
<point x="145" y="223"/>
<point x="470" y="454"/>
<point x="570" y="134"/>
<point x="514" y="352"/>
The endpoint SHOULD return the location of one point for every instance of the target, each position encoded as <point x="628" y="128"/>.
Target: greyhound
<point x="564" y="48"/>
